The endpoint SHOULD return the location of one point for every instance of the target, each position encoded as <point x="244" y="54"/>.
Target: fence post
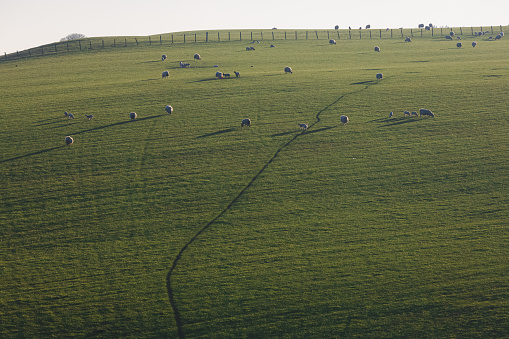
<point x="206" y="36"/>
<point x="328" y="37"/>
<point x="160" y="40"/>
<point x="316" y="32"/>
<point x="272" y="35"/>
<point x="261" y="34"/>
<point x="491" y="29"/>
<point x="172" y="39"/>
<point x="125" y="42"/>
<point x="251" y="35"/>
<point x="307" y="35"/>
<point x="228" y="36"/>
<point x="149" y="41"/>
<point x="360" y="34"/>
<point x="218" y="39"/>
<point x="90" y="41"/>
<point x="461" y="31"/>
<point x="240" y="36"/>
<point x="431" y="30"/>
<point x="380" y="34"/>
<point x="285" y="35"/>
<point x="184" y="37"/>
<point x="136" y="41"/>
<point x="295" y="35"/>
<point x="401" y="31"/>
<point x="338" y="34"/>
<point x="114" y="43"/>
<point x="350" y="33"/>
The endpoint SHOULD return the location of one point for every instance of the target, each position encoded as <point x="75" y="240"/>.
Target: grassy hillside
<point x="382" y="227"/>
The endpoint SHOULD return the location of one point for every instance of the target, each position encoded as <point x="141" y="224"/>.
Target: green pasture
<point x="384" y="227"/>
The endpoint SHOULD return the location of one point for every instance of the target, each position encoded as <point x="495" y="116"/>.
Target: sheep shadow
<point x="282" y="134"/>
<point x="319" y="130"/>
<point x="33" y="153"/>
<point x="215" y="133"/>
<point x="400" y="121"/>
<point x="368" y="82"/>
<point x="118" y="124"/>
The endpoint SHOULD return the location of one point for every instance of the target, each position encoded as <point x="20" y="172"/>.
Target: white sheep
<point x="459" y="44"/>
<point x="474" y="43"/>
<point x="133" y="115"/>
<point x="377" y="49"/>
<point x="288" y="70"/>
<point x="237" y="74"/>
<point x="163" y="57"/>
<point x="427" y="112"/>
<point x="332" y="41"/>
<point x="303" y="126"/>
<point x="69" y="140"/>
<point x="197" y="56"/>
<point x="379" y="76"/>
<point x="448" y="37"/>
<point x="414" y="113"/>
<point x="169" y="109"/>
<point x="226" y="75"/>
<point x="166" y="74"/>
<point x="344" y="119"/>
<point x="391" y="114"/>
<point x="405" y="113"/>
<point x="184" y="65"/>
<point x="70" y="116"/>
<point x="89" y="116"/>
<point x="66" y="114"/>
<point x="408" y="39"/>
<point x="245" y="122"/>
<point x="219" y="75"/>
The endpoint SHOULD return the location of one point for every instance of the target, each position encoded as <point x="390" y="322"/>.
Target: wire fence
<point x="88" y="44"/>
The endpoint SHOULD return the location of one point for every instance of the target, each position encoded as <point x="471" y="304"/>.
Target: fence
<point x="241" y="35"/>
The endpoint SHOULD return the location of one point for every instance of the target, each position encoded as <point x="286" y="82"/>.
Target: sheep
<point x="421" y="26"/>
<point x="459" y="44"/>
<point x="288" y="70"/>
<point x="332" y="41"/>
<point x="237" y="74"/>
<point x="405" y="113"/>
<point x="344" y="119"/>
<point x="391" y="114"/>
<point x="379" y="76"/>
<point x="245" y="122"/>
<point x="474" y="43"/>
<point x="133" y="115"/>
<point x="272" y="46"/>
<point x="408" y="39"/>
<point x="414" y="113"/>
<point x="424" y="111"/>
<point x="226" y="75"/>
<point x="197" y="56"/>
<point x="66" y="114"/>
<point x="250" y="48"/>
<point x="69" y="140"/>
<point x="163" y="57"/>
<point x="303" y="126"/>
<point x="377" y="49"/>
<point x="501" y="34"/>
<point x="219" y="75"/>
<point x="498" y="37"/>
<point x="427" y="28"/>
<point x="184" y="65"/>
<point x="166" y="74"/>
<point x="169" y="109"/>
<point x="451" y="33"/>
<point x="448" y="37"/>
<point x="70" y="116"/>
<point x="89" y="116"/>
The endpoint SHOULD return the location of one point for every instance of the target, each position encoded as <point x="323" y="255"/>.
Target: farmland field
<point x="383" y="227"/>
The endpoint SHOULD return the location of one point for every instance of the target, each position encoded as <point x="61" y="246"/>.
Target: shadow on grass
<point x="33" y="153"/>
<point x="400" y="122"/>
<point x="319" y="130"/>
<point x="369" y="82"/>
<point x="215" y="133"/>
<point x="118" y="124"/>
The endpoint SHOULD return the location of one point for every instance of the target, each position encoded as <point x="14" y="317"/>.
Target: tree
<point x="73" y="36"/>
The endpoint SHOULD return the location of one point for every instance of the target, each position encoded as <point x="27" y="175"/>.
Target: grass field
<point x="384" y="227"/>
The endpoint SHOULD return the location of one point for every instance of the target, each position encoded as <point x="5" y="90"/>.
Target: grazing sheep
<point x="414" y="113"/>
<point x="451" y="33"/>
<point x="89" y="116"/>
<point x="344" y="119"/>
<point x="69" y="140"/>
<point x="250" y="48"/>
<point x="332" y="41"/>
<point x="427" y="28"/>
<point x="245" y="122"/>
<point x="459" y="44"/>
<point x="184" y="65"/>
<point x="424" y="111"/>
<point x="226" y="75"/>
<point x="219" y="75"/>
<point x="169" y="109"/>
<point x="498" y="37"/>
<point x="197" y="56"/>
<point x="405" y="113"/>
<point x="166" y="74"/>
<point x="303" y="126"/>
<point x="501" y="34"/>
<point x="133" y="115"/>
<point x="421" y="26"/>
<point x="377" y="49"/>
<point x="368" y="26"/>
<point x="448" y="37"/>
<point x="474" y="43"/>
<point x="237" y="74"/>
<point x="288" y="70"/>
<point x="408" y="39"/>
<point x="70" y="116"/>
<point x="163" y="57"/>
<point x="272" y="46"/>
<point x="379" y="76"/>
<point x="391" y="114"/>
<point x="66" y="114"/>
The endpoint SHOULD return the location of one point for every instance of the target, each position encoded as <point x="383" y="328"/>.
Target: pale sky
<point x="31" y="23"/>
